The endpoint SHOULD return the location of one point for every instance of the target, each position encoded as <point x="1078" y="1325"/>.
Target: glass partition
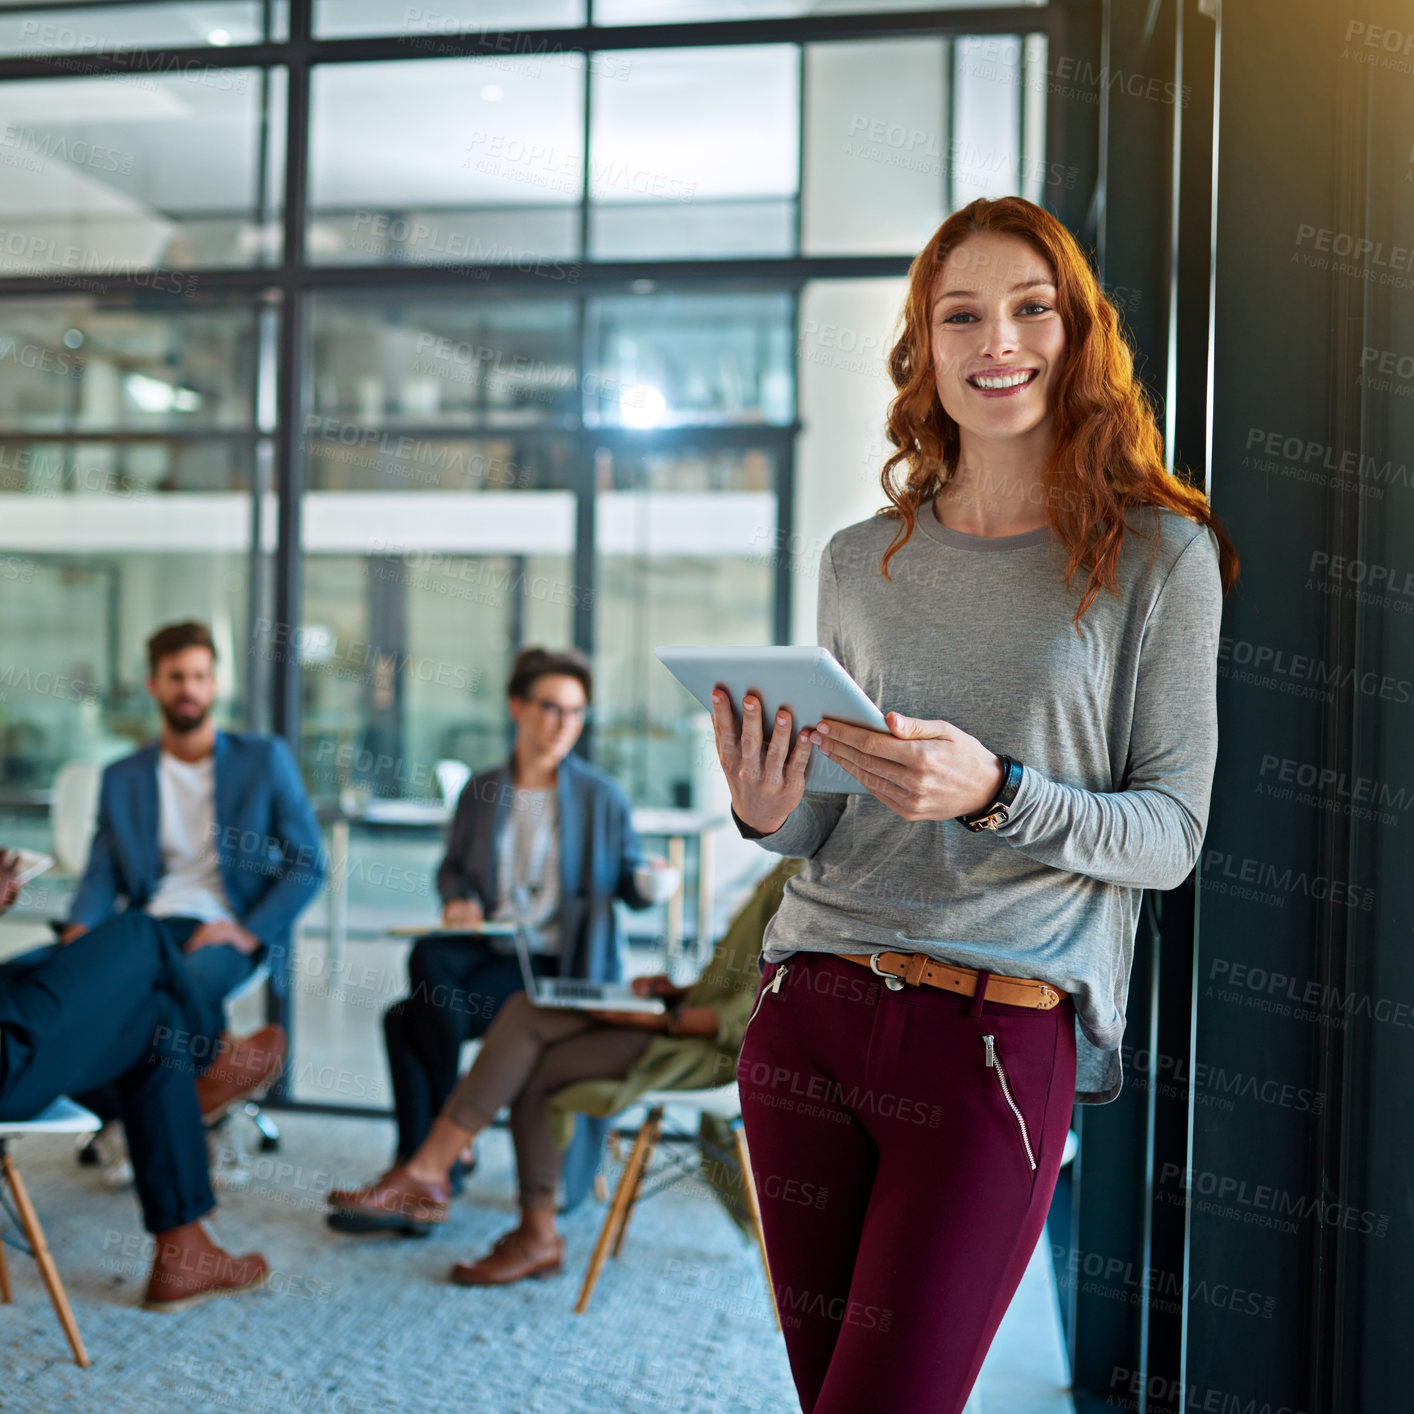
<point x="677" y="360"/>
<point x="638" y="12"/>
<point x="446" y="161"/>
<point x="432" y="551"/>
<point x="112" y="174"/>
<point x="129" y="462"/>
<point x="62" y="30"/>
<point x="695" y="152"/>
<point x="334" y="19"/>
<point x="424" y="360"/>
<point x="682" y="547"/>
<point x="876" y="165"/>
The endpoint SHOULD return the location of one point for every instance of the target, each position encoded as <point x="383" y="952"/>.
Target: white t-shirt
<point x="528" y="855"/>
<point x="191" y="872"/>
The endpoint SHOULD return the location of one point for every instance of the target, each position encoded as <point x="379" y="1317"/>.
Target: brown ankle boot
<point x="189" y="1267"/>
<point x="243" y="1067"/>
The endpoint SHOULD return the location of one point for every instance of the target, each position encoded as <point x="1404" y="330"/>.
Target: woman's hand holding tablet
<point x="766" y="781"/>
<point x="803" y="684"/>
<point x="921" y="769"/>
<point x="925" y="770"/>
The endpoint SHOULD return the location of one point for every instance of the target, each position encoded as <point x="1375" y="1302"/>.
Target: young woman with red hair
<point x="1038" y="609"/>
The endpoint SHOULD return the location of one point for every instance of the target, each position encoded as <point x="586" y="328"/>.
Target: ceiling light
<point x="642" y="405"/>
<point x="155" y="395"/>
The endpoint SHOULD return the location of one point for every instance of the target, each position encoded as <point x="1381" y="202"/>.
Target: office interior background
<point x="388" y="339"/>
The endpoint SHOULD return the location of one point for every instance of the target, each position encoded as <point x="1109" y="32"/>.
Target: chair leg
<point x="227" y="1156"/>
<point x="269" y="1130"/>
<point x="753" y="1211"/>
<point x="654" y="1128"/>
<point x="29" y="1220"/>
<point x="627" y="1183"/>
<point x="6" y="1295"/>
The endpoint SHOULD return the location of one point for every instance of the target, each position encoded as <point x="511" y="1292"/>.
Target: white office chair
<point x="62" y="1117"/>
<point x="452" y="777"/>
<point x="73" y="813"/>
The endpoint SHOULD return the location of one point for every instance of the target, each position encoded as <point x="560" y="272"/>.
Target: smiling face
<point x="997" y="338"/>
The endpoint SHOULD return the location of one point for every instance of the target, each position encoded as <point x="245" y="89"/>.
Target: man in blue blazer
<point x="209" y="832"/>
<point x="553" y="826"/>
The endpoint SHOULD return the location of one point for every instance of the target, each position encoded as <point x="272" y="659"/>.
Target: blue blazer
<point x="599" y="852"/>
<point x="268" y="841"/>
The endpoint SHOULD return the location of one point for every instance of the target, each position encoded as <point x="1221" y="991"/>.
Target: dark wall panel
<point x="1301" y="1189"/>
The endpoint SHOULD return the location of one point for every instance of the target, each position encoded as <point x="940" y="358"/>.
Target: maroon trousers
<point x="892" y="1144"/>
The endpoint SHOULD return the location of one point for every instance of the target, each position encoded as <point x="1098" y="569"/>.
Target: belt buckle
<point x="894" y="984"/>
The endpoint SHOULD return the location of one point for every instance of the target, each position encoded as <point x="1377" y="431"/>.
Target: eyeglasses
<point x="559" y="714"/>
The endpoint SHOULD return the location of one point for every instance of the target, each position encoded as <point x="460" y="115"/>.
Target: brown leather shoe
<point x="397" y="1195"/>
<point x="512" y="1259"/>
<point x="189" y="1267"/>
<point x="242" y="1068"/>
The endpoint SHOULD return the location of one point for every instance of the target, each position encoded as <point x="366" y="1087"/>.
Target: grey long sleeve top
<point x="1116" y="727"/>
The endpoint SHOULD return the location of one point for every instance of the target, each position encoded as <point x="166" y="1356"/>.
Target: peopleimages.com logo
<point x="1305" y="676"/>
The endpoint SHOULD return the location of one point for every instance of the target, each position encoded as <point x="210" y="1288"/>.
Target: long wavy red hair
<point x="1107" y="457"/>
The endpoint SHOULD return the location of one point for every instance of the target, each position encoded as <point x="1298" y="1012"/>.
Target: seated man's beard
<point x="184" y="720"/>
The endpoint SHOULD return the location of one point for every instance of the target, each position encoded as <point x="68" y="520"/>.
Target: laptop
<point x="574" y="994"/>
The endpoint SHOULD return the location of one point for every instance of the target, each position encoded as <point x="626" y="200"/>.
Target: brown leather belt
<point x="918" y="969"/>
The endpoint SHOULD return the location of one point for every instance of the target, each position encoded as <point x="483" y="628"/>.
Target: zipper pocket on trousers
<point x="994" y="1063"/>
<point x="774" y="985"/>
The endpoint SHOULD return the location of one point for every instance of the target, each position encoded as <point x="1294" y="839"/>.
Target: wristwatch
<point x="999" y="810"/>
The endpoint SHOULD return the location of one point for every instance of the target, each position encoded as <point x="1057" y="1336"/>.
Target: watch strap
<point x="997" y="812"/>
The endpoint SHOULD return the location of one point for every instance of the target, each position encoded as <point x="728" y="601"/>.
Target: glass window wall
<point x="336" y="19"/>
<point x="75" y="30"/>
<point x="129" y="461"/>
<point x="447" y="161"/>
<point x="165" y="172"/>
<point x="566" y="433"/>
<point x="695" y="152"/>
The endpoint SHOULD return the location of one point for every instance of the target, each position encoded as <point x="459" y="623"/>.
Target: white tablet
<point x="29" y="864"/>
<point x="808" y="682"/>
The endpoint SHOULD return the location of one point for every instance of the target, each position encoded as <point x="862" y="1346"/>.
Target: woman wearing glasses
<point x="546" y="828"/>
<point x="1037" y="609"/>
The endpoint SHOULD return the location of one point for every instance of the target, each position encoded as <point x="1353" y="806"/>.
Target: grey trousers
<point x="527" y="1054"/>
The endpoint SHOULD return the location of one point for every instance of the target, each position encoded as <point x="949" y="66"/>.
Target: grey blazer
<point x="599" y="852"/>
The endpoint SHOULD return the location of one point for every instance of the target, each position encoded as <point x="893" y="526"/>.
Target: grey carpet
<point x="680" y="1321"/>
